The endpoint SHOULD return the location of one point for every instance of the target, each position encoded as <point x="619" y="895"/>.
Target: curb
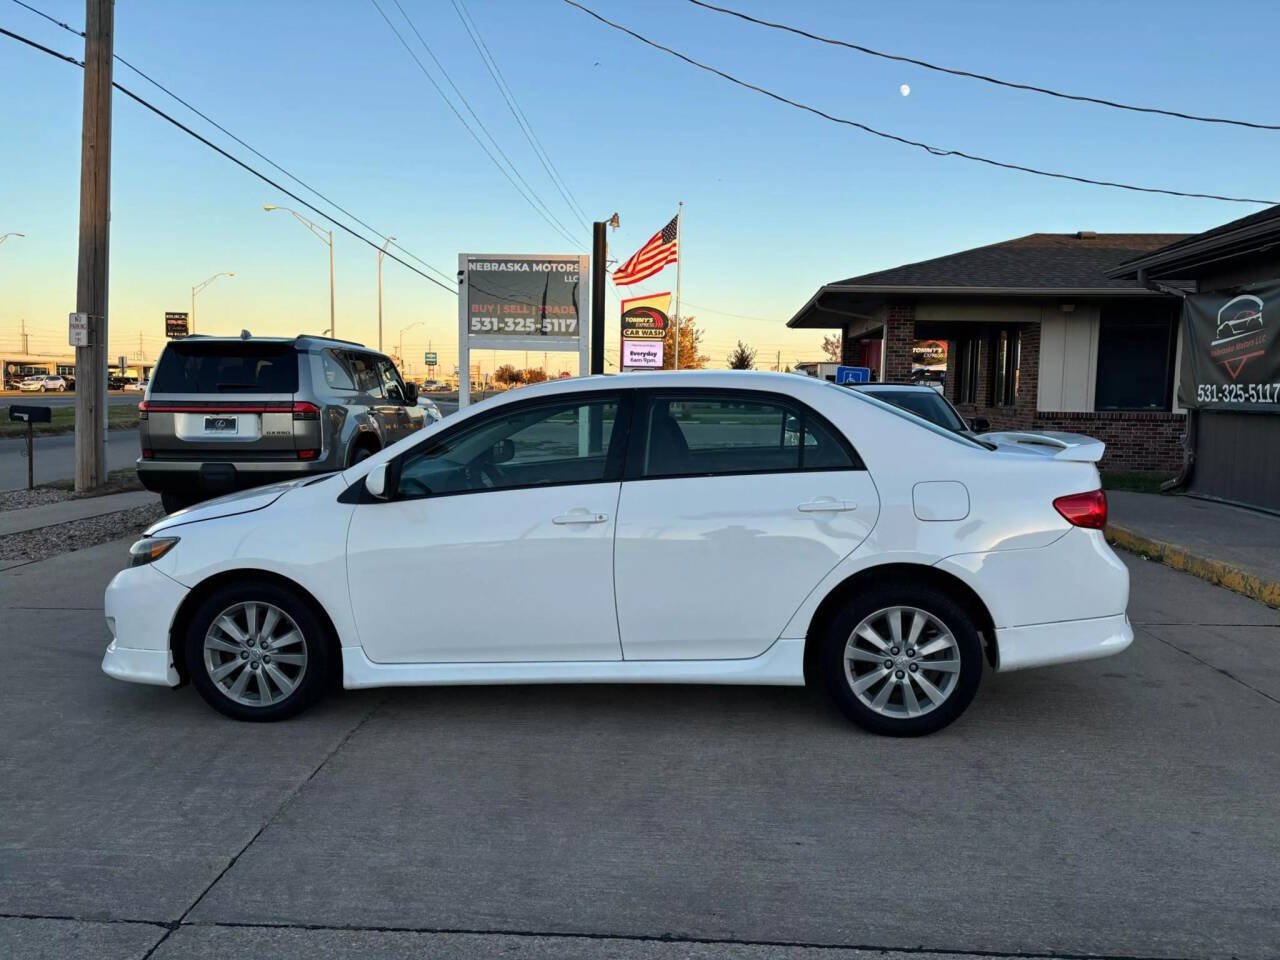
<point x="1182" y="558"/>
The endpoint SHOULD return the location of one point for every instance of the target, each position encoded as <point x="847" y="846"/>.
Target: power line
<point x="725" y="313"/>
<point x="981" y="76"/>
<point x="449" y="103"/>
<point x="936" y="151"/>
<point x="203" y="116"/>
<point x="466" y="103"/>
<point x="522" y="121"/>
<point x="234" y="159"/>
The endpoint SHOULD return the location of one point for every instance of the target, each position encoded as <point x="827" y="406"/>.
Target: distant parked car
<point x="42" y="383"/>
<point x="225" y="413"/>
<point x="137" y="386"/>
<point x="115" y="382"/>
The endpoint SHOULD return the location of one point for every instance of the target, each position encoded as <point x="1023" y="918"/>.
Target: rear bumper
<point x="213" y="477"/>
<point x="1043" y="644"/>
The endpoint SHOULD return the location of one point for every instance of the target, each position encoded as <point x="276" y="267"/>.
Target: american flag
<point x="661" y="249"/>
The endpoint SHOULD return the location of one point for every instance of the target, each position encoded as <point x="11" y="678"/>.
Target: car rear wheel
<point x="173" y="502"/>
<point x="902" y="660"/>
<point x="257" y="651"/>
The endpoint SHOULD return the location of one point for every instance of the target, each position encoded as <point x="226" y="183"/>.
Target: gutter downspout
<point x="1193" y="414"/>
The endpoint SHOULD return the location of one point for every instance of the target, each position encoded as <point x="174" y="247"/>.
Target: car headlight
<point x="150" y="549"/>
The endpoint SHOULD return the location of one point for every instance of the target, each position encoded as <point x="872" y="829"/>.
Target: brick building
<point x="1039" y="337"/>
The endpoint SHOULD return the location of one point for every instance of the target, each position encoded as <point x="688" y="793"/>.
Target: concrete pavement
<point x="32" y="518"/>
<point x="55" y="457"/>
<point x="1230" y="546"/>
<point x="1125" y="808"/>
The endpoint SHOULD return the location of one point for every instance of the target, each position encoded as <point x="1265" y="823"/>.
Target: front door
<point x="741" y="502"/>
<point x="497" y="544"/>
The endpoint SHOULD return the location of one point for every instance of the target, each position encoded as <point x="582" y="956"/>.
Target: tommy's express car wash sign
<point x="1231" y="359"/>
<point x="523" y="296"/>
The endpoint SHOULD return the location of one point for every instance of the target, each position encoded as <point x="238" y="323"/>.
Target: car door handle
<point x="826" y="505"/>
<point x="580" y="516"/>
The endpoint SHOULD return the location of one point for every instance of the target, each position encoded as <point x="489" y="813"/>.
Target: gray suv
<point x="223" y="413"/>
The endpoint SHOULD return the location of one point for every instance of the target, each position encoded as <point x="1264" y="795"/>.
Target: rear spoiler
<point x="1051" y="443"/>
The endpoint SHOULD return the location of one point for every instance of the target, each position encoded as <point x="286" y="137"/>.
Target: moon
<point x="905" y="90"/>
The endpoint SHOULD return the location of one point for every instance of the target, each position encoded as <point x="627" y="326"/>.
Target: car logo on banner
<point x="1240" y="335"/>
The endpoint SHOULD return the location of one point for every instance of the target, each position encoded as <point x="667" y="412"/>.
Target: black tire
<point x="933" y="602"/>
<point x="313" y="680"/>
<point x="173" y="502"/>
<point x="362" y="452"/>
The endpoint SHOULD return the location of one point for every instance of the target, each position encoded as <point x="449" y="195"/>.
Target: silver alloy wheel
<point x="254" y="653"/>
<point x="902" y="662"/>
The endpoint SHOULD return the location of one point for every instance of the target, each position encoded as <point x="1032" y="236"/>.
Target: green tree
<point x="743" y="357"/>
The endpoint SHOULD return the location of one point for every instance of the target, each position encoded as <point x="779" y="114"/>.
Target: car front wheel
<point x="257" y="651"/>
<point x="902" y="660"/>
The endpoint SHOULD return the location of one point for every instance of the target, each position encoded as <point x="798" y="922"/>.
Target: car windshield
<point x="929" y="405"/>
<point x="237" y="367"/>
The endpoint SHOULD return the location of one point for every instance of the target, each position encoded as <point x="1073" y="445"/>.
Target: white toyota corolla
<point x="688" y="527"/>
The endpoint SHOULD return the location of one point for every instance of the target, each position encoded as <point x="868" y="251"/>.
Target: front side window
<point x="547" y="444"/>
<point x="707" y="435"/>
<point x="392" y="386"/>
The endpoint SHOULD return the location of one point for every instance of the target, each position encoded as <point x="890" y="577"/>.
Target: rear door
<point x="734" y="506"/>
<point x="223" y="400"/>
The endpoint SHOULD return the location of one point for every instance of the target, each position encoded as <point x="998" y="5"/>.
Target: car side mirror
<point x="410" y="393"/>
<point x="375" y="482"/>
<point x="980" y="424"/>
<point x="502" y="451"/>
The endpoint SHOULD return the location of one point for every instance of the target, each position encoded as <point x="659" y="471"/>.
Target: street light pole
<point x="325" y="235"/>
<point x="381" y="254"/>
<point x="415" y="323"/>
<point x="196" y="289"/>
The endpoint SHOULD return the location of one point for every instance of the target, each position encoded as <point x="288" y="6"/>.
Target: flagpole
<point x="679" y="263"/>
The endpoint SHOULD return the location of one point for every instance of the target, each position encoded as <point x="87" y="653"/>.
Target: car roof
<point x="302" y="340"/>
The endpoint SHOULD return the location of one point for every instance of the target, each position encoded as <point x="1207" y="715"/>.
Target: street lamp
<point x="325" y="235"/>
<point x="416" y="323"/>
<point x="381" y="252"/>
<point x="196" y="289"/>
<point x="6" y="236"/>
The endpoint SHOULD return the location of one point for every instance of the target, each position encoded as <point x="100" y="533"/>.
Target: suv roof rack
<point x="316" y="336"/>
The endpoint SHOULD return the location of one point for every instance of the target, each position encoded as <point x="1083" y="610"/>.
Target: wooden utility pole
<point x="95" y="214"/>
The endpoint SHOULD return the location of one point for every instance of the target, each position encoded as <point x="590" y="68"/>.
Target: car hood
<point x="244" y="501"/>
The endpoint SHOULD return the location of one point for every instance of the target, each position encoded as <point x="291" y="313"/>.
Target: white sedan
<point x="43" y="383"/>
<point x="696" y="527"/>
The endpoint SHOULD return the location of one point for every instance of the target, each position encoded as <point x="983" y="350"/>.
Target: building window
<point x="967" y="370"/>
<point x="1135" y="360"/>
<point x="1004" y="367"/>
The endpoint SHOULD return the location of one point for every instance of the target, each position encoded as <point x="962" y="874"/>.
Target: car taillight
<point x="308" y="454"/>
<point x="1084" y="509"/>
<point x="142" y="410"/>
<point x="305" y="411"/>
<point x="148" y="454"/>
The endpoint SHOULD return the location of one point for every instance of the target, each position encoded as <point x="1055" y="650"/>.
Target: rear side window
<point x="336" y="374"/>
<point x="201" y="367"/>
<point x="364" y="369"/>
<point x="714" y="434"/>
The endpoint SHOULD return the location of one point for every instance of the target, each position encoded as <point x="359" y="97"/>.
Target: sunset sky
<point x="777" y="202"/>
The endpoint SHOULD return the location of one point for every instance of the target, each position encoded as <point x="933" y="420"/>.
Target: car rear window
<point x="243" y="367"/>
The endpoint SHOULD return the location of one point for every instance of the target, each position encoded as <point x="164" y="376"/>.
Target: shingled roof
<point x="1037" y="261"/>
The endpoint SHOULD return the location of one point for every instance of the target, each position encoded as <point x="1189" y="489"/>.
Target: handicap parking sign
<point x="853" y="374"/>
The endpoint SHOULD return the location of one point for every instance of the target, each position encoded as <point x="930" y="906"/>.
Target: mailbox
<point x="20" y="414"/>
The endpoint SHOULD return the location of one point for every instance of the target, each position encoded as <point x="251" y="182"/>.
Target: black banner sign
<point x="1231" y="359"/>
<point x="523" y="296"/>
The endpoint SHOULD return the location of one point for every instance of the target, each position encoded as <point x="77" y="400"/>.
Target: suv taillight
<point x="305" y="411"/>
<point x="1084" y="509"/>
<point x="142" y="410"/>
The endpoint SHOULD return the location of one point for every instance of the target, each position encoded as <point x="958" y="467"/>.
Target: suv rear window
<point x="244" y="367"/>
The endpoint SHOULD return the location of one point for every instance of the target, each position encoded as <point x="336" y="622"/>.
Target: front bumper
<point x="140" y="604"/>
<point x="1042" y="644"/>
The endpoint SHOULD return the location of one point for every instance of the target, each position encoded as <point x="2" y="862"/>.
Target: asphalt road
<point x="63" y="399"/>
<point x="1121" y="808"/>
<point x="55" y="457"/>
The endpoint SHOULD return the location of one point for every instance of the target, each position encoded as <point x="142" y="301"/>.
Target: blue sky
<point x="777" y="202"/>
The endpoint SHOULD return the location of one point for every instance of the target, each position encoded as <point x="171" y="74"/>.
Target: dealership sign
<point x="1231" y="359"/>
